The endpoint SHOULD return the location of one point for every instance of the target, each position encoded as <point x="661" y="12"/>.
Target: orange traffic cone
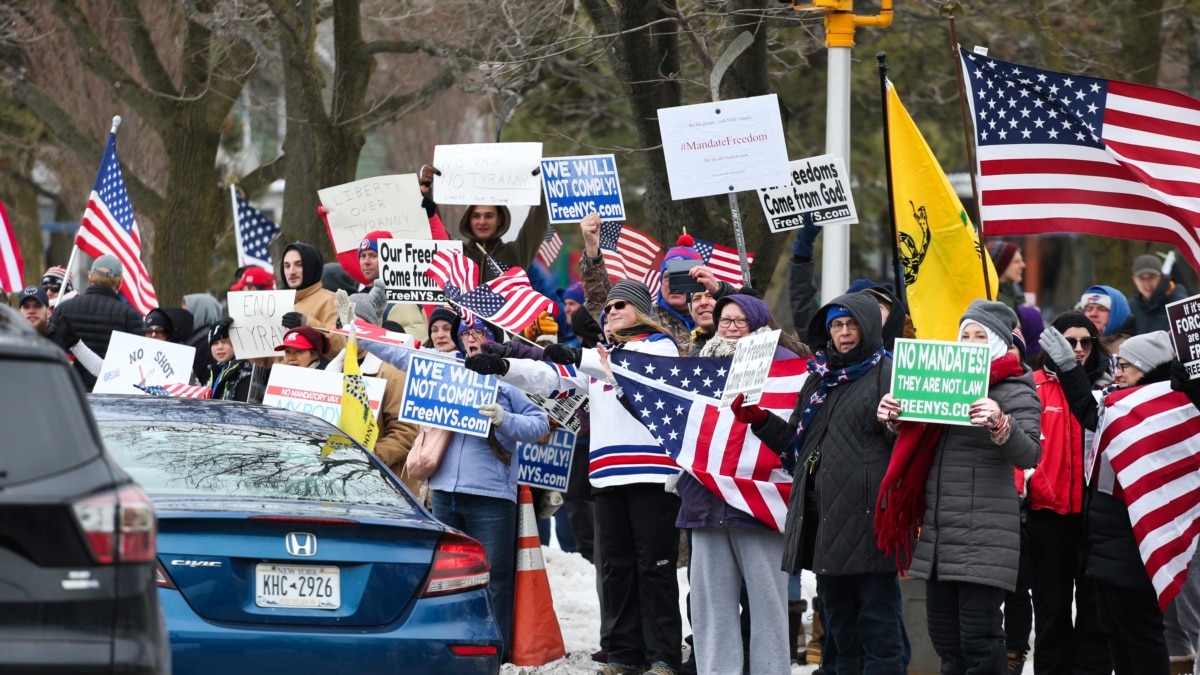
<point x="537" y="639"/>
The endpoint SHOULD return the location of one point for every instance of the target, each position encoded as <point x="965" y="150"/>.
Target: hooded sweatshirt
<point x="517" y="253"/>
<point x="312" y="300"/>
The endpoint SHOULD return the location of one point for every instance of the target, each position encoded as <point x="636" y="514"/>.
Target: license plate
<point x="303" y="586"/>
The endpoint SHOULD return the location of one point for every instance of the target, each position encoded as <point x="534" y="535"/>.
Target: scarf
<point x="724" y="347"/>
<point x="819" y="366"/>
<point x="900" y="506"/>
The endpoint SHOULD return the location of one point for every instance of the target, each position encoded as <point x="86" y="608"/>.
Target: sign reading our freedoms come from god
<point x="937" y="381"/>
<point x="819" y="192"/>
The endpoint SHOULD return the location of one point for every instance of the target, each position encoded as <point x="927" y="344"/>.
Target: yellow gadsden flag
<point x="357" y="421"/>
<point x="939" y="248"/>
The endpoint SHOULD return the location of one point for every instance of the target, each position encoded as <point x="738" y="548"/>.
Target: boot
<point x="796" y="631"/>
<point x="1016" y="662"/>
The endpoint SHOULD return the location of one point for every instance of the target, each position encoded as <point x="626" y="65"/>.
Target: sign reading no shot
<point x="938" y="381"/>
<point x="819" y="191"/>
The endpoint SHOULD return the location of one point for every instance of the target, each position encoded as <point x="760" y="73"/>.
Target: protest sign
<point x="577" y="186"/>
<point x="938" y="381"/>
<point x="724" y="146"/>
<point x="315" y="392"/>
<point x="391" y="203"/>
<point x="546" y="465"/>
<point x="561" y="410"/>
<point x="367" y="331"/>
<point x="1183" y="318"/>
<point x="500" y="174"/>
<point x="136" y="360"/>
<point x="748" y="371"/>
<point x="402" y="265"/>
<point x="445" y="394"/>
<point x="819" y="192"/>
<point x="256" y="329"/>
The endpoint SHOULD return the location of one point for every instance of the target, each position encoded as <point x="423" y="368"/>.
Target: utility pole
<point x="840" y="23"/>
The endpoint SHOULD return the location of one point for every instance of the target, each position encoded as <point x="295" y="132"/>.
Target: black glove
<point x="429" y="205"/>
<point x="586" y="328"/>
<point x="502" y="349"/>
<point x="562" y="354"/>
<point x="293" y="319"/>
<point x="63" y="334"/>
<point x="487" y="364"/>
<point x="1181" y="381"/>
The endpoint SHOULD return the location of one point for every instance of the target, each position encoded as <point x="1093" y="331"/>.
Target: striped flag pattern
<point x="1149" y="434"/>
<point x="628" y="253"/>
<point x="177" y="390"/>
<point x="108" y="228"/>
<point x="1067" y="153"/>
<point x="508" y="301"/>
<point x="453" y="271"/>
<point x="678" y="400"/>
<point x="551" y="247"/>
<point x="12" y="267"/>
<point x="724" y="261"/>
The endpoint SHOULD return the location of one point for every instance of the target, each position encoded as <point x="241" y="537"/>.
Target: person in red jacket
<point x="1055" y="520"/>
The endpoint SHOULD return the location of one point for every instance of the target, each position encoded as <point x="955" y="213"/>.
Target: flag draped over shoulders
<point x="939" y="247"/>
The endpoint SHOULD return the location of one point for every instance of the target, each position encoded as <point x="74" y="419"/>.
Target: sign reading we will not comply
<point x="445" y="394"/>
<point x="577" y="186"/>
<point x="938" y="381"/>
<point x="546" y="465"/>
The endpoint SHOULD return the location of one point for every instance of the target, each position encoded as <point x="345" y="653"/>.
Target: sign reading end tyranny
<point x="938" y="381"/>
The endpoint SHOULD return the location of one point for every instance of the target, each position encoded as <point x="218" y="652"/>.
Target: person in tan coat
<point x="300" y="270"/>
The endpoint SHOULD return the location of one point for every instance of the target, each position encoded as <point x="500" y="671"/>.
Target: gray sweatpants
<point x="722" y="558"/>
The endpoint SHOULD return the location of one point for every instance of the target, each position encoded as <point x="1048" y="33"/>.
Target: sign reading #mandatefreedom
<point x="391" y="203"/>
<point x="546" y="465"/>
<point x="577" y="186"/>
<point x="819" y="192"/>
<point x="442" y="393"/>
<point x="402" y="265"/>
<point x="1183" y="318"/>
<point x="938" y="381"/>
<point x="499" y="174"/>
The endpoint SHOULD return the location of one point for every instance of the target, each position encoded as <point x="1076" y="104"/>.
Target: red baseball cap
<point x="255" y="276"/>
<point x="304" y="337"/>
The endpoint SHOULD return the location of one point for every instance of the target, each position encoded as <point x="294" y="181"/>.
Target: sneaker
<point x="616" y="669"/>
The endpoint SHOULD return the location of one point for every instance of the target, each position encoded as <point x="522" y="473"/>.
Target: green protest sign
<point x="937" y="381"/>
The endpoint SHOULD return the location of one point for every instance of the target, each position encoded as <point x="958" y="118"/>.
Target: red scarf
<point x="900" y="507"/>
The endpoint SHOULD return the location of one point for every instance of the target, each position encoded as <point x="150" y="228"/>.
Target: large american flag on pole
<point x="1149" y="435"/>
<point x="254" y="231"/>
<point x="628" y="253"/>
<point x="1067" y="153"/>
<point x="508" y="301"/>
<point x="108" y="228"/>
<point x="12" y="267"/>
<point x="724" y="261"/>
<point x="678" y="400"/>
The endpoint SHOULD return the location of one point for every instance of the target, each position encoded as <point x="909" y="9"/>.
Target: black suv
<point x="77" y="535"/>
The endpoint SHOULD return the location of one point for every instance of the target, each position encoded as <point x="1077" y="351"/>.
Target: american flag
<point x="628" y="253"/>
<point x="109" y="229"/>
<point x="12" y="267"/>
<point x="507" y="301"/>
<point x="678" y="400"/>
<point x="1149" y="436"/>
<point x="551" y="246"/>
<point x="1066" y="153"/>
<point x="176" y="390"/>
<point x="453" y="271"/>
<point x="724" y="261"/>
<point x="254" y="232"/>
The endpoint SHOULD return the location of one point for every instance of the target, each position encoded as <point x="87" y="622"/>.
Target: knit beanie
<point x="573" y="292"/>
<point x="836" y="312"/>
<point x="684" y="249"/>
<point x="1002" y="253"/>
<point x="444" y="314"/>
<point x="1148" y="350"/>
<point x="756" y="311"/>
<point x="1147" y="264"/>
<point x="631" y="291"/>
<point x="1031" y="326"/>
<point x="371" y="241"/>
<point x="997" y="318"/>
<point x="370" y="306"/>
<point x="1112" y="300"/>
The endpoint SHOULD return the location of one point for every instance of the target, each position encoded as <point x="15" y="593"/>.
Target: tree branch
<point x="143" y="48"/>
<point x="393" y="108"/>
<point x="257" y="181"/>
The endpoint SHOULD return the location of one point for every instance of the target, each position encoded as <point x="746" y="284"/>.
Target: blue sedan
<point x="285" y="548"/>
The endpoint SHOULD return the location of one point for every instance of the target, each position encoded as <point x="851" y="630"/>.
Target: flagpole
<point x="901" y="292"/>
<point x="237" y="231"/>
<point x="948" y="9"/>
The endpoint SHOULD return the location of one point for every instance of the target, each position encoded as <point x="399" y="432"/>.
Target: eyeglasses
<point x="1124" y="365"/>
<point x="1084" y="343"/>
<point x="474" y="334"/>
<point x="155" y="330"/>
<point x="618" y="305"/>
<point x="740" y="322"/>
<point x="838" y="326"/>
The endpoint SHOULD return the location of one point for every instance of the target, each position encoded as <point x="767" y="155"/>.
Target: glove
<point x="293" y="319"/>
<point x="586" y="328"/>
<point x="805" y="238"/>
<point x="1182" y="381"/>
<point x="747" y="414"/>
<point x="494" y="412"/>
<point x="544" y="329"/>
<point x="562" y="354"/>
<point x="1057" y="349"/>
<point x="429" y="205"/>
<point x="487" y="364"/>
<point x="502" y="349"/>
<point x="378" y="295"/>
<point x="65" y="333"/>
<point x="986" y="413"/>
<point x="343" y="307"/>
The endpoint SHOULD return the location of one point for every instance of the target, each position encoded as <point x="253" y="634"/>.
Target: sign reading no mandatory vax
<point x="442" y="393"/>
<point x="315" y="392"/>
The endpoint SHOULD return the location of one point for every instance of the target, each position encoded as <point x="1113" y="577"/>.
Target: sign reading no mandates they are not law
<point x="442" y="393"/>
<point x="938" y="381"/>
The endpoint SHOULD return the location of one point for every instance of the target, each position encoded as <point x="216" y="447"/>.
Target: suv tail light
<point x="459" y="564"/>
<point x="119" y="526"/>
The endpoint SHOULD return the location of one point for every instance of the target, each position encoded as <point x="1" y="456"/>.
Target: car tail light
<point x="162" y="579"/>
<point x="459" y="564"/>
<point x="474" y="650"/>
<point x="119" y="526"/>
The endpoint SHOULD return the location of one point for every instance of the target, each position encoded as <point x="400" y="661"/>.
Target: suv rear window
<point x="45" y="431"/>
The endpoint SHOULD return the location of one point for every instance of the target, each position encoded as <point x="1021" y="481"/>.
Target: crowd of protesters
<point x="1011" y="530"/>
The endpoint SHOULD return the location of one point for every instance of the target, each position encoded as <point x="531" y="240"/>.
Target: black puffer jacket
<point x="95" y="315"/>
<point x="852" y="451"/>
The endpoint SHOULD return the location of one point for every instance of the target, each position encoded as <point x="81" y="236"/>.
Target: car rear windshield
<point x="46" y="422"/>
<point x="222" y="460"/>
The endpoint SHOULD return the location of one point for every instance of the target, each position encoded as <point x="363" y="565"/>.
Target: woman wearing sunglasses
<point x="627" y="470"/>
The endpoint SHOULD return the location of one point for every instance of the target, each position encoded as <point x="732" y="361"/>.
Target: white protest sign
<point x="256" y="329"/>
<point x="748" y="372"/>
<point x="315" y="392"/>
<point x="577" y="186"/>
<point x="500" y="174"/>
<point x="391" y="203"/>
<point x="402" y="265"/>
<point x="819" y="188"/>
<point x="724" y="146"/>
<point x="562" y="410"/>
<point x="136" y="360"/>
